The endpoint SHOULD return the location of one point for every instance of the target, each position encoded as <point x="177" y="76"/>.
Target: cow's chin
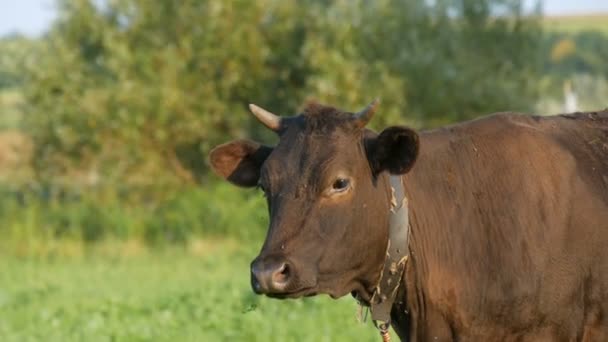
<point x="310" y="292"/>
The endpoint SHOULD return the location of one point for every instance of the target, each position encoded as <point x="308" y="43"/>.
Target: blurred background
<point x="111" y="225"/>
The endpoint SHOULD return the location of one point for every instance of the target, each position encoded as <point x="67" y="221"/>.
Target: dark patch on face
<point x="321" y="119"/>
<point x="319" y="138"/>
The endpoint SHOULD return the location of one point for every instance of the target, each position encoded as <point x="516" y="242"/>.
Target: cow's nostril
<point x="281" y="276"/>
<point x="271" y="276"/>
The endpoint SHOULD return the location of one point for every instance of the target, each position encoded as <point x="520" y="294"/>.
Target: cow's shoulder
<point x="493" y="124"/>
<point x="508" y="123"/>
<point x="501" y="136"/>
<point x="517" y="129"/>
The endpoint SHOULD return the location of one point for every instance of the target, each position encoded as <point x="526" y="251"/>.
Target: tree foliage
<point x="584" y="52"/>
<point x="15" y="52"/>
<point x="136" y="92"/>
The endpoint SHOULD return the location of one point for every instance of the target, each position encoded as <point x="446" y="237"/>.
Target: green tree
<point x="15" y="52"/>
<point x="127" y="87"/>
<point x="136" y="92"/>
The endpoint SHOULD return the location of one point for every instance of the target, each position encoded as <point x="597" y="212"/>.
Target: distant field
<point x="577" y="23"/>
<point x="161" y="296"/>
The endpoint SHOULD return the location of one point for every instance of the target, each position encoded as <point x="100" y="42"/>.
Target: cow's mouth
<point x="304" y="292"/>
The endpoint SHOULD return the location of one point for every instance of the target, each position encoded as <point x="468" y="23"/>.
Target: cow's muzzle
<point x="272" y="275"/>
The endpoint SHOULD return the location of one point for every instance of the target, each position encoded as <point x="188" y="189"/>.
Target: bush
<point x="212" y="211"/>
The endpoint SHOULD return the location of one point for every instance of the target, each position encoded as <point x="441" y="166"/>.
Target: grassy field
<point x="577" y="23"/>
<point x="199" y="293"/>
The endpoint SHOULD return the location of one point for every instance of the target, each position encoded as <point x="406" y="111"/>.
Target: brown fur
<point x="509" y="222"/>
<point x="514" y="247"/>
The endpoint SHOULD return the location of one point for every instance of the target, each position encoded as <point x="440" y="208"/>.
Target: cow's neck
<point x="413" y="316"/>
<point x="409" y="310"/>
<point x="401" y="317"/>
<point x="404" y="309"/>
<point x="408" y="307"/>
<point x="389" y="292"/>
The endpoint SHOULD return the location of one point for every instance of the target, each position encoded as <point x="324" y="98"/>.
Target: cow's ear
<point x="394" y="150"/>
<point x="239" y="161"/>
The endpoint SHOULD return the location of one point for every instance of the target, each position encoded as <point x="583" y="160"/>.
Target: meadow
<point x="94" y="268"/>
<point x="577" y="23"/>
<point x="126" y="292"/>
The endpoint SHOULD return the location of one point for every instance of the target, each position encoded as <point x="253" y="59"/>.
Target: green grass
<point x="577" y="23"/>
<point x="196" y="293"/>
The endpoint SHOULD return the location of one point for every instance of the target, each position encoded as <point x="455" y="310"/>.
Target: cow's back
<point x="510" y="218"/>
<point x="585" y="136"/>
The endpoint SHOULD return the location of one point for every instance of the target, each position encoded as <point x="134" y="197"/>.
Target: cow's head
<point x="328" y="197"/>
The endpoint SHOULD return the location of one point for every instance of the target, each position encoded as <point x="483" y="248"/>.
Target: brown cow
<point x="508" y="233"/>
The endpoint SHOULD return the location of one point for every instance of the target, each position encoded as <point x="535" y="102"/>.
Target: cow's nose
<point x="270" y="275"/>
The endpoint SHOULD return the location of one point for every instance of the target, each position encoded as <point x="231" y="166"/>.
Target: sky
<point x="29" y="17"/>
<point x="33" y="17"/>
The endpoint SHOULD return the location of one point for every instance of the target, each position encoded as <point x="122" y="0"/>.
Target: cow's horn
<point x="363" y="117"/>
<point x="269" y="120"/>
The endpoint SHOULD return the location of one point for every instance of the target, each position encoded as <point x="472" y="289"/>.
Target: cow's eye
<point x="340" y="184"/>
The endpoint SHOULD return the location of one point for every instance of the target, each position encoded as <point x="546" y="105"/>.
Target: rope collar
<point x="397" y="253"/>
